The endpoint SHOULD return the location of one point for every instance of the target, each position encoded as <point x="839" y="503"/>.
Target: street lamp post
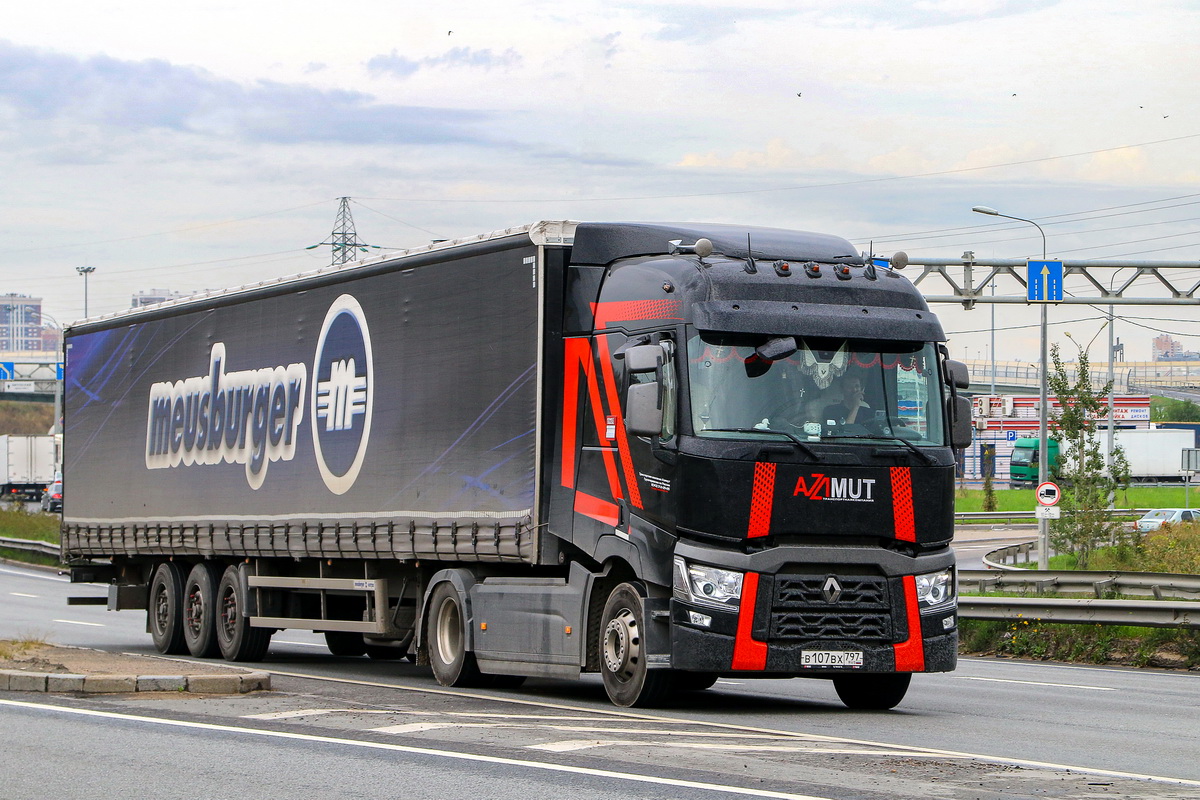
<point x="1043" y="417"/>
<point x="85" y="271"/>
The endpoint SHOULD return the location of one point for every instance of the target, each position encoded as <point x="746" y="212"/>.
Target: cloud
<point x="465" y="57"/>
<point x="157" y="95"/>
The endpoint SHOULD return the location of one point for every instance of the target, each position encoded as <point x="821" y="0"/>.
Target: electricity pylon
<point x="344" y="241"/>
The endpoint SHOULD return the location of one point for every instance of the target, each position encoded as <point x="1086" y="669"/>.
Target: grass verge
<point x="1082" y="644"/>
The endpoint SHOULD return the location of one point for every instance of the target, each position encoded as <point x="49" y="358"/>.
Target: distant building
<point x="150" y="297"/>
<point x="1165" y="348"/>
<point x="21" y="324"/>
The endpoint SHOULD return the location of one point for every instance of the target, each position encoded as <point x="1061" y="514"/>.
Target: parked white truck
<point x="30" y="461"/>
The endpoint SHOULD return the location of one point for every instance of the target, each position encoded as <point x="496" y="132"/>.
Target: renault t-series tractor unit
<point x="662" y="453"/>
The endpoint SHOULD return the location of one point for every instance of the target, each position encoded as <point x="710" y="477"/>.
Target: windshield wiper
<point x="928" y="459"/>
<point x="803" y="447"/>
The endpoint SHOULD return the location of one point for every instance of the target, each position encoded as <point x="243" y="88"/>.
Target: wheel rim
<point x="622" y="645"/>
<point x="162" y="609"/>
<point x="228" y="613"/>
<point x="193" y="612"/>
<point x="449" y="631"/>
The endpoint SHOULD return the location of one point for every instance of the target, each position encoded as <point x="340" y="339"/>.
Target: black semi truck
<point x="663" y="453"/>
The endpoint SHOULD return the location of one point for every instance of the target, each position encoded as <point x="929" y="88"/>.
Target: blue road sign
<point x="7" y="370"/>
<point x="1010" y="436"/>
<point x="60" y="370"/>
<point x="1044" y="281"/>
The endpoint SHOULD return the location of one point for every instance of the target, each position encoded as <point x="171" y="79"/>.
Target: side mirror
<point x="643" y="409"/>
<point x="959" y="411"/>
<point x="643" y="358"/>
<point x="957" y="374"/>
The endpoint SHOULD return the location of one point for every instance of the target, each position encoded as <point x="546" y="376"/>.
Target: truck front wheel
<point x="452" y="664"/>
<point x="872" y="692"/>
<point x="627" y="678"/>
<point x="236" y="638"/>
<point x="199" y="612"/>
<point x="165" y="610"/>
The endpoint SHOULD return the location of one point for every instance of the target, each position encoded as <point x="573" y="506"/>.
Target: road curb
<point x="14" y="680"/>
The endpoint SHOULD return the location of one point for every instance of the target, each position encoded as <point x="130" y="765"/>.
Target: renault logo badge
<point x="832" y="590"/>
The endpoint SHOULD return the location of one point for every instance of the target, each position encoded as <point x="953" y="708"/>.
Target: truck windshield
<point x="828" y="389"/>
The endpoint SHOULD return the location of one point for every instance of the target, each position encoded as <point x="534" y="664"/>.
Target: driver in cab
<point x="852" y="409"/>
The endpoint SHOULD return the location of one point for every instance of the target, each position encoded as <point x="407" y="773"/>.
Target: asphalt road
<point x="994" y="728"/>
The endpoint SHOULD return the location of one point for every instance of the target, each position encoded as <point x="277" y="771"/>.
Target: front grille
<point x="800" y="610"/>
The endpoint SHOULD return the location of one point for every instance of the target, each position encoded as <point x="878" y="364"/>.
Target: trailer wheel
<point x="452" y="664"/>
<point x="199" y="612"/>
<point x="235" y="636"/>
<point x="872" y="692"/>
<point x="627" y="678"/>
<point x="164" y="613"/>
<point x="345" y="643"/>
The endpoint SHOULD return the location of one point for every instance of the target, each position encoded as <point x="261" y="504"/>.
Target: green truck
<point x="1154" y="455"/>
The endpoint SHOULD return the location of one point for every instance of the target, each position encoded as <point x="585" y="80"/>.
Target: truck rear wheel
<point x="872" y="692"/>
<point x="627" y="678"/>
<point x="693" y="681"/>
<point x="165" y="611"/>
<point x="452" y="664"/>
<point x="199" y="612"/>
<point x="237" y="640"/>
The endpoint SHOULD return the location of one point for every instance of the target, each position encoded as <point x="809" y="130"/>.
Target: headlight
<point x="935" y="590"/>
<point x="705" y="585"/>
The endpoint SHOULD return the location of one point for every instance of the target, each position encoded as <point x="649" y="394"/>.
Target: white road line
<point x="33" y="574"/>
<point x="77" y="622"/>
<point x="22" y="594"/>
<point x="617" y="713"/>
<point x="425" y="751"/>
<point x="300" y="644"/>
<point x="1036" y="683"/>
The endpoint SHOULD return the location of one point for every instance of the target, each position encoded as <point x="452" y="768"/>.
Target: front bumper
<point x="784" y="613"/>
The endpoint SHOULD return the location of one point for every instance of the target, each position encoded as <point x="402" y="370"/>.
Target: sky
<point x="201" y="145"/>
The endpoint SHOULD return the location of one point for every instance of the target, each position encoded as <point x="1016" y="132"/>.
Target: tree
<point x="1164" y="409"/>
<point x="1086" y="481"/>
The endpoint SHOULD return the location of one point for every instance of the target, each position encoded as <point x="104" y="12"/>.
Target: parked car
<point x="1155" y="519"/>
<point x="52" y="497"/>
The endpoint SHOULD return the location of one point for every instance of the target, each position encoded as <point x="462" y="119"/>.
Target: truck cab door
<point x="650" y="409"/>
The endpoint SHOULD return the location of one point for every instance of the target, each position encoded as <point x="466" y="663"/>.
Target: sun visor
<point x="800" y="319"/>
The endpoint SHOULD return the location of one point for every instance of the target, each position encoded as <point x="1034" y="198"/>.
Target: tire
<point x="694" y="681"/>
<point x="872" y="692"/>
<point x="345" y="643"/>
<point x="199" y="612"/>
<point x="164" y="612"/>
<point x="447" y="637"/>
<point x="627" y="678"/>
<point x="237" y="640"/>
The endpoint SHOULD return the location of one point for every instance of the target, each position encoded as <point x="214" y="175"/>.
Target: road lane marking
<point x="78" y="622"/>
<point x="421" y="751"/>
<point x="33" y="574"/>
<point x="1036" y="683"/>
<point x="618" y="713"/>
<point x="22" y="594"/>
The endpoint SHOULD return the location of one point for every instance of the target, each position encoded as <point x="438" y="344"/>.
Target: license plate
<point x="831" y="658"/>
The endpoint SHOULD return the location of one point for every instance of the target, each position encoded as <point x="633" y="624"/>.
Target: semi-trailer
<point x="664" y="453"/>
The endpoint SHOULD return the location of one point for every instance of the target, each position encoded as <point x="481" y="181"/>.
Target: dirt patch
<point x="57" y="659"/>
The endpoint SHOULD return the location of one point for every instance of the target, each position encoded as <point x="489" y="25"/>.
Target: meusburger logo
<point x="343" y="392"/>
<point x="820" y="486"/>
<point x="253" y="416"/>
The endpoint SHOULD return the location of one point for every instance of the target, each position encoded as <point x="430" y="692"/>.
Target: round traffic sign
<point x="1048" y="493"/>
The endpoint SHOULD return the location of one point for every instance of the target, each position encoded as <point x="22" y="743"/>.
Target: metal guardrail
<point x="1158" y="613"/>
<point x="1159" y="585"/>
<point x="1084" y="610"/>
<point x="995" y="516"/>
<point x="30" y="546"/>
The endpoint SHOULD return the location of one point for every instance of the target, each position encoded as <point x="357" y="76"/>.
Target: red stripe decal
<point x="597" y="509"/>
<point x="629" y="310"/>
<point x="614" y="404"/>
<point x="910" y="654"/>
<point x="902" y="504"/>
<point x="761" y="499"/>
<point x="579" y="357"/>
<point x="748" y="653"/>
